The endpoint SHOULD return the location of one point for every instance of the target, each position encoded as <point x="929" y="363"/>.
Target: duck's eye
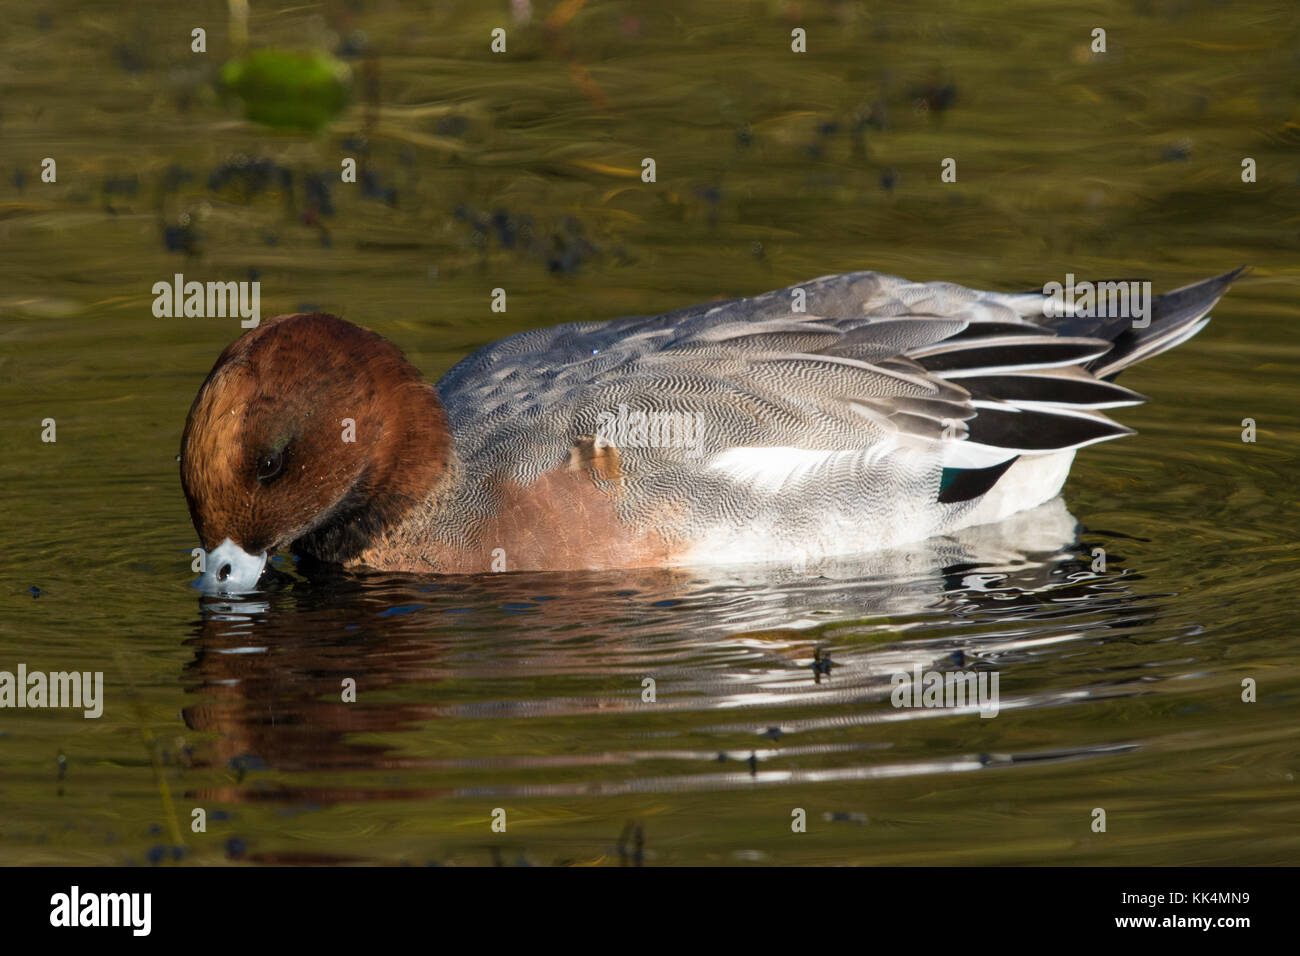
<point x="269" y="466"/>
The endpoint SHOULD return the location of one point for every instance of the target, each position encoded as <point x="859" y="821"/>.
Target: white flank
<point x="772" y="468"/>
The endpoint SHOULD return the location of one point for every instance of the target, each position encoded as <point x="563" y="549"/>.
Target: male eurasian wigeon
<point x="883" y="412"/>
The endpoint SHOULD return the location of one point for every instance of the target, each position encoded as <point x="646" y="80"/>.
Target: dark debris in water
<point x="182" y="237"/>
<point x="452" y="126"/>
<point x="631" y="844"/>
<point x="246" y="763"/>
<point x="372" y="187"/>
<point x="316" y="191"/>
<point x="521" y="858"/>
<point x="132" y="59"/>
<point x="821" y="664"/>
<point x="845" y="816"/>
<point x="354" y="44"/>
<point x="561" y="245"/>
<point x="936" y="98"/>
<point x="248" y="177"/>
<point x="121" y="185"/>
<point x="355" y="144"/>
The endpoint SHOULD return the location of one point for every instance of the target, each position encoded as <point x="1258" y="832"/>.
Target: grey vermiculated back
<point x="872" y="376"/>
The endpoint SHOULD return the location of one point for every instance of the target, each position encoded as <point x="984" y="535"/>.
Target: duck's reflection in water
<point x="270" y="674"/>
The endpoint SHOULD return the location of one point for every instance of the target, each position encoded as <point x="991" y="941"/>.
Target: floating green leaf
<point x="289" y="89"/>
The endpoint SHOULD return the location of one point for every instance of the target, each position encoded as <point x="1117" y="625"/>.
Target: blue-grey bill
<point x="229" y="569"/>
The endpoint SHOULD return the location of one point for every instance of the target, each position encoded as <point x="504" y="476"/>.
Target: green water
<point x="1120" y="690"/>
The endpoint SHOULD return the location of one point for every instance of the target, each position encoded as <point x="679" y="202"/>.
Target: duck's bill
<point x="229" y="569"/>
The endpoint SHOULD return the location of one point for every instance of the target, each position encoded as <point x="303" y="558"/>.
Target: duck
<point x="845" y="415"/>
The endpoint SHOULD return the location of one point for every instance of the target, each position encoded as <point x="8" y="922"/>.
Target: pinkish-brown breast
<point x="563" y="521"/>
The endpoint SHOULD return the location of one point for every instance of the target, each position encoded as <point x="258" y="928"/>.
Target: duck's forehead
<point x="215" y="433"/>
<point x="258" y="386"/>
<point x="226" y="395"/>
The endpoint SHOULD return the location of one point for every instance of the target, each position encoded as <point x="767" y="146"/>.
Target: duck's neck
<point x="411" y="470"/>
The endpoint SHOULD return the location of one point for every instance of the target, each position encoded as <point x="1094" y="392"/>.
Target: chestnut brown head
<point x="309" y="432"/>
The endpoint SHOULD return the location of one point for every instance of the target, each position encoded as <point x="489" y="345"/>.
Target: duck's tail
<point x="1174" y="318"/>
